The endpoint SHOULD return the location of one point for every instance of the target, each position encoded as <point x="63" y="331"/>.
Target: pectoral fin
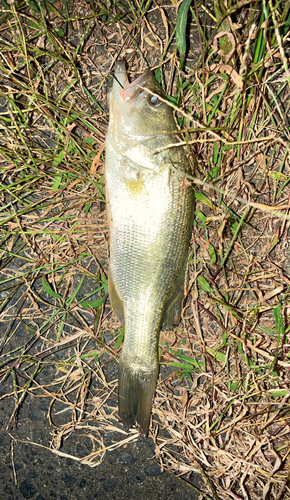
<point x="116" y="302"/>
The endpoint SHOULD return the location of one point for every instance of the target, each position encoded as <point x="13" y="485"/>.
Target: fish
<point x="149" y="204"/>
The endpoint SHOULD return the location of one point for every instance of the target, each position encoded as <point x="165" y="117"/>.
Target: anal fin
<point x="173" y="307"/>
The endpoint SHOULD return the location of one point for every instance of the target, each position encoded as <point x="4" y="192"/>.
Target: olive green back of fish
<point x="150" y="216"/>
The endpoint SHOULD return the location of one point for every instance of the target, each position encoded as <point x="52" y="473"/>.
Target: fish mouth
<point x="120" y="73"/>
<point x="129" y="91"/>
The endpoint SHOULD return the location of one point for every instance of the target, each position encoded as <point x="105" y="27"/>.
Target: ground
<point x="220" y="416"/>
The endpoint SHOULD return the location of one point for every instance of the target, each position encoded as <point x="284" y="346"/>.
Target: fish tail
<point x="137" y="385"/>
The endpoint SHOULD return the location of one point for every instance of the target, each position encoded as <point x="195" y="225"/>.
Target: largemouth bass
<point x="149" y="208"/>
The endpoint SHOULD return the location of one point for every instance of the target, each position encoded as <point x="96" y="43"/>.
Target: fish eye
<point x="154" y="99"/>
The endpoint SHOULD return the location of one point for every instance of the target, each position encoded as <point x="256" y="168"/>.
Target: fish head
<point x="139" y="113"/>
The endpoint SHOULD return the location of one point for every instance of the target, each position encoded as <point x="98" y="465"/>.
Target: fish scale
<point x="149" y="207"/>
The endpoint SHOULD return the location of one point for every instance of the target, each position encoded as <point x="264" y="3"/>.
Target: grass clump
<point x="222" y="403"/>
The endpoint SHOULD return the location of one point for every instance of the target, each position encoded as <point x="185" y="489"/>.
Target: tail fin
<point x="136" y="389"/>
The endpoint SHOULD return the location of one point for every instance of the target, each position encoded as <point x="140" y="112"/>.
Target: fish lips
<point x="121" y="76"/>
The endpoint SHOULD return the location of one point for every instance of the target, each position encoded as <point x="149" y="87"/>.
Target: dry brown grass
<point x="224" y="410"/>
